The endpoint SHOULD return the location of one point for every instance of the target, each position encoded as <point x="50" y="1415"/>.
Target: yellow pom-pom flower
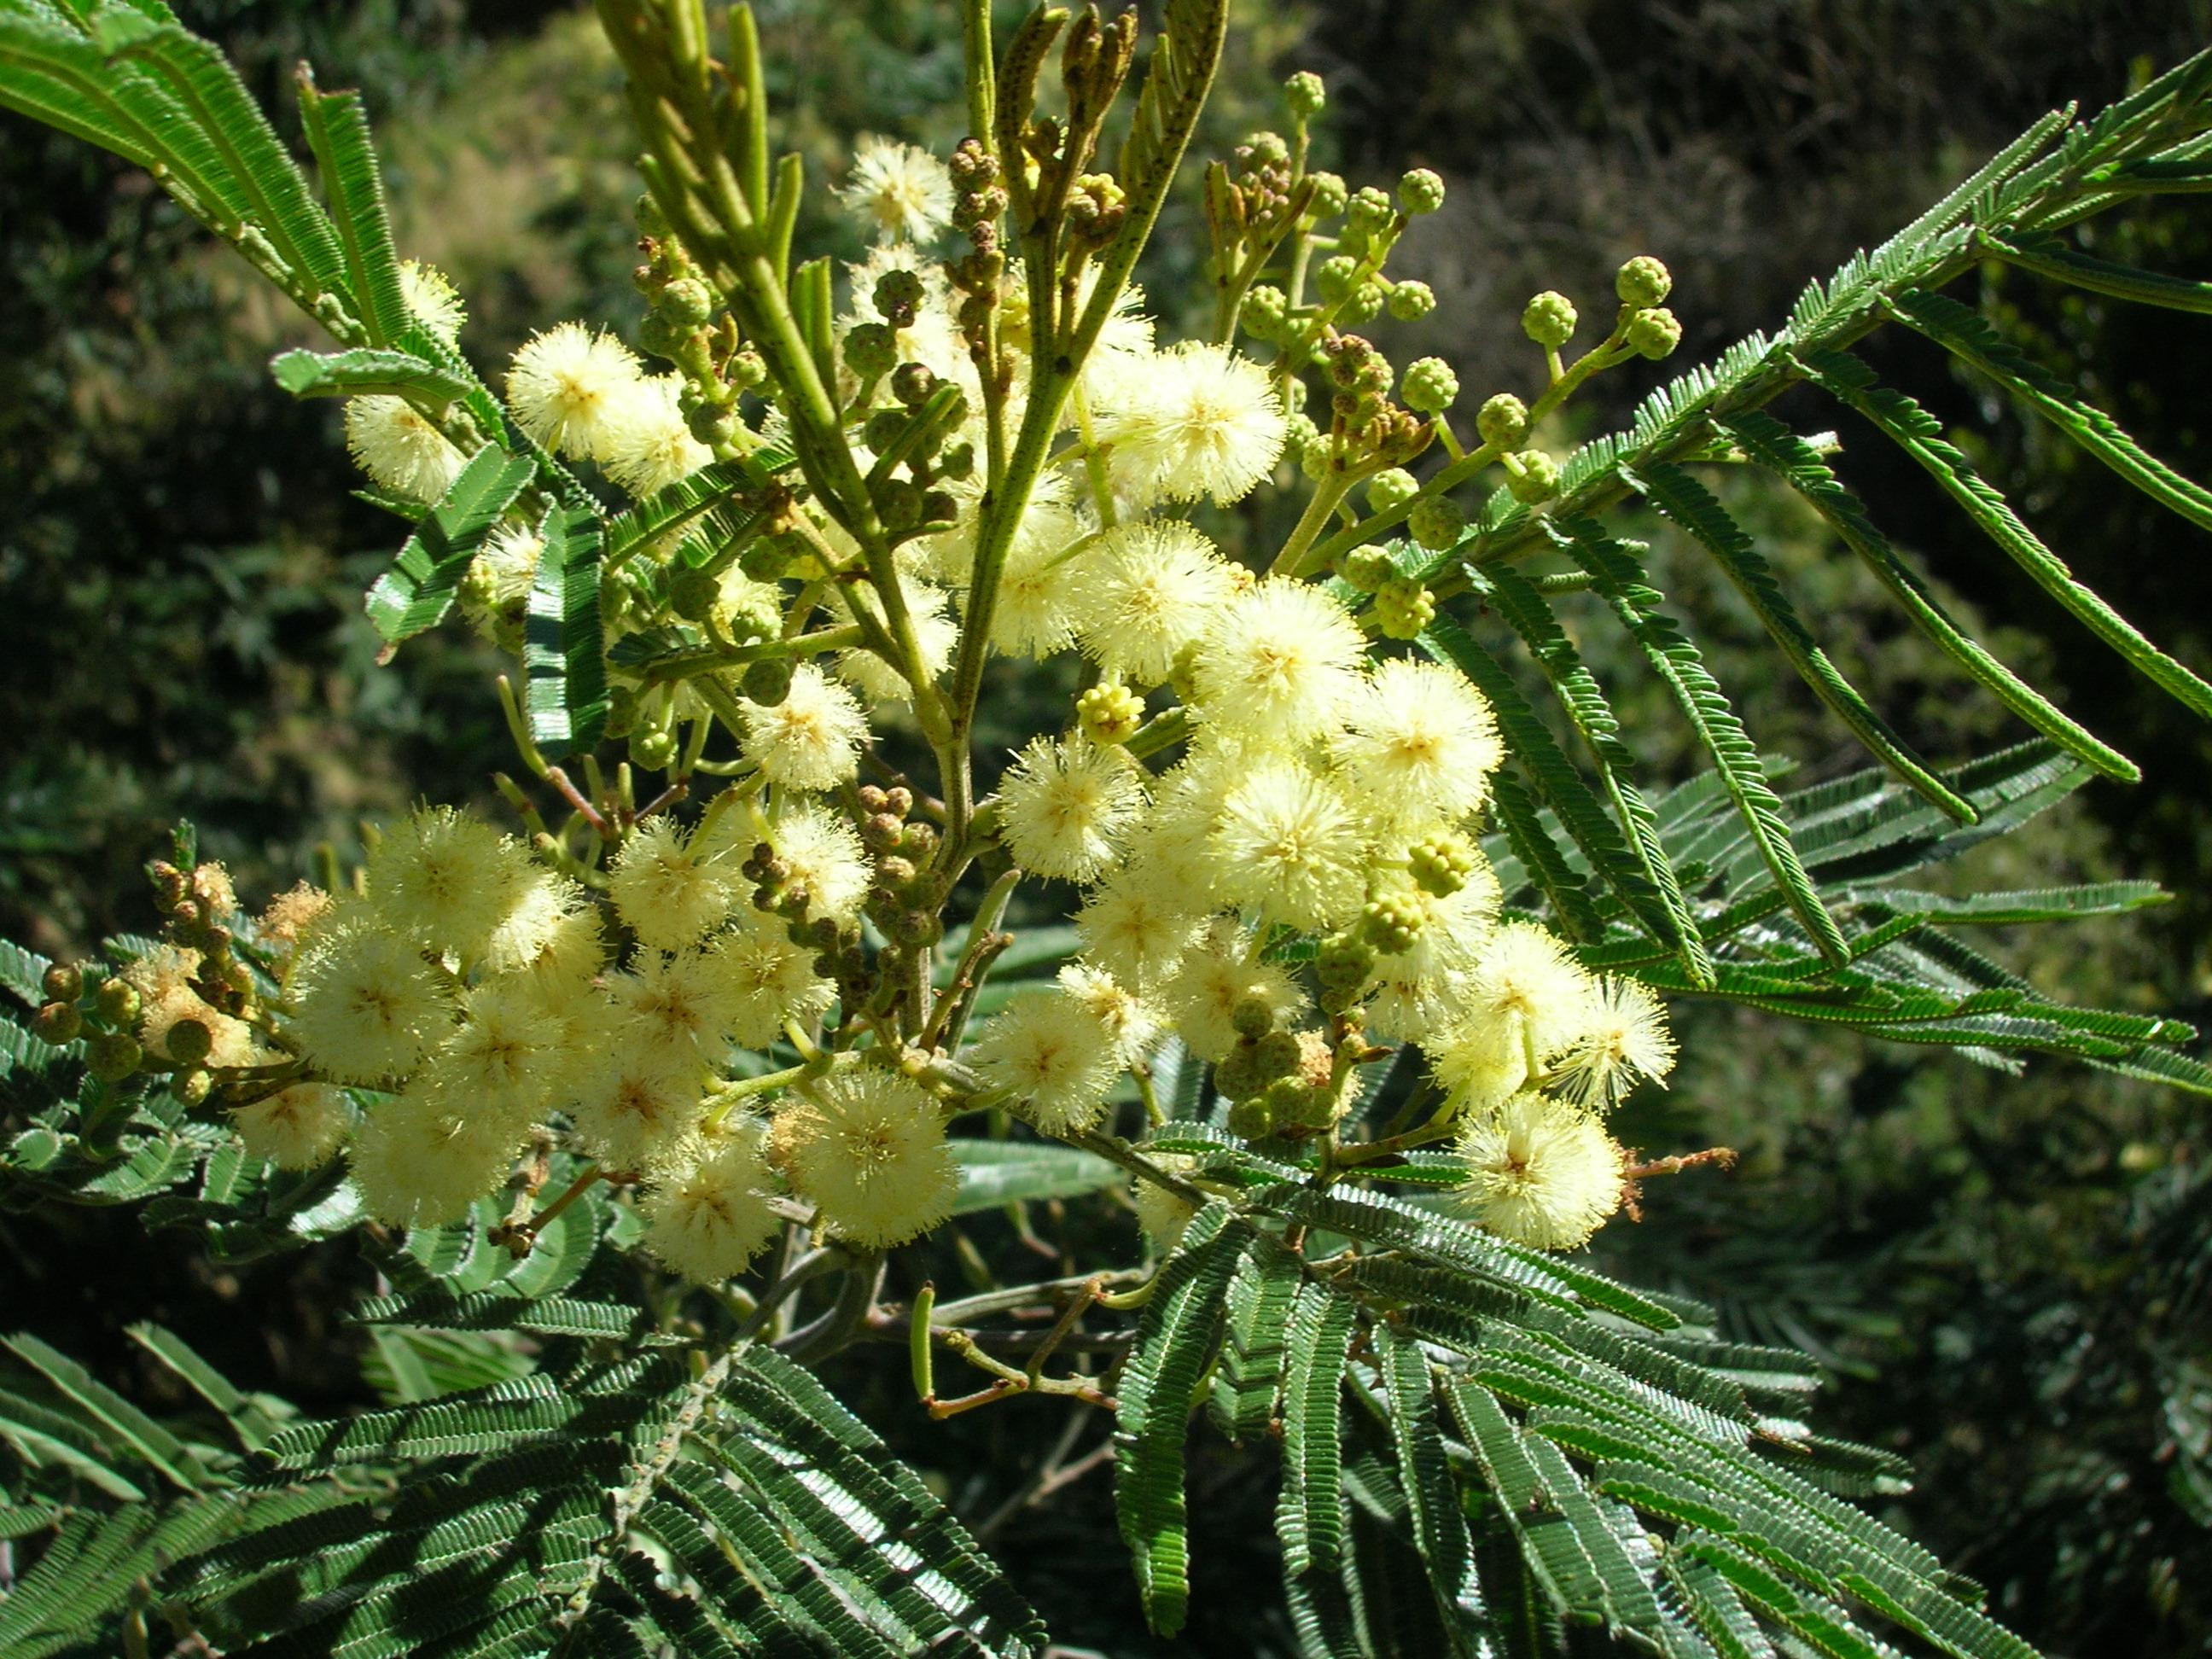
<point x="826" y="859"/>
<point x="569" y="388"/>
<point x="647" y="445"/>
<point x="1529" y="978"/>
<point x="1419" y="736"/>
<point x="422" y="1158"/>
<point x="397" y="446"/>
<point x="553" y="933"/>
<point x="708" y="1220"/>
<point x="868" y="1150"/>
<point x="637" y="1107"/>
<point x="1052" y="1052"/>
<point x="295" y="1128"/>
<point x="682" y="1003"/>
<point x="666" y="890"/>
<point x="1132" y="930"/>
<point x="1064" y="805"/>
<point x="500" y="1058"/>
<point x="770" y="980"/>
<point x="900" y="192"/>
<point x="1280" y="664"/>
<point x="364" y="1003"/>
<point x="1540" y="1172"/>
<point x="432" y="299"/>
<point x="1287" y="844"/>
<point x="447" y="881"/>
<point x="1624" y="1041"/>
<point x="1212" y="980"/>
<point x="1197" y="420"/>
<point x="1150" y="590"/>
<point x="811" y="740"/>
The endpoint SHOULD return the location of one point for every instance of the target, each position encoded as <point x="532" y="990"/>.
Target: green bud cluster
<point x="1305" y="94"/>
<point x="1654" y="333"/>
<point x="1532" y="476"/>
<point x="1437" y="523"/>
<point x="1502" y="421"/>
<point x="1440" y="865"/>
<point x="1411" y="301"/>
<point x="1403" y="608"/>
<point x="1109" y="714"/>
<point x="1421" y="191"/>
<point x="1392" y="487"/>
<point x="1367" y="568"/>
<point x="1430" y="386"/>
<point x="1267" y="309"/>
<point x="1392" y="923"/>
<point x="1550" y="320"/>
<point x="1643" y="282"/>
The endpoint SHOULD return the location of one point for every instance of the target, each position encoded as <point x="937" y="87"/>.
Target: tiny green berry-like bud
<point x="1654" y="333"/>
<point x="711" y="425"/>
<point x="1248" y="1119"/>
<point x="111" y="1056"/>
<point x="63" y="981"/>
<point x="1430" y="386"/>
<point x="767" y="682"/>
<point x="687" y="303"/>
<point x="1253" y="1017"/>
<point x="1403" y="609"/>
<point x="692" y="592"/>
<point x="746" y="368"/>
<point x="870" y="350"/>
<point x="1393" y="487"/>
<point x="651" y="751"/>
<point x="1411" y="301"/>
<point x="1643" y="282"/>
<point x="884" y="427"/>
<point x="1550" y="320"/>
<point x="1109" y="714"/>
<point x="58" y="1023"/>
<point x="119" y="1003"/>
<point x="1333" y="278"/>
<point x="1305" y="94"/>
<point x="1367" y="568"/>
<point x="1421" y="191"/>
<point x="898" y="297"/>
<point x="1437" y="523"/>
<point x="1329" y="196"/>
<point x="1503" y="421"/>
<point x="1275" y="1055"/>
<point x="1392" y="924"/>
<point x="1266" y="309"/>
<point x="188" y="1042"/>
<point x="1440" y="865"/>
<point x="1366" y="300"/>
<point x="912" y="383"/>
<point x="1370" y="211"/>
<point x="1301" y="437"/>
<point x="1343" y="962"/>
<point x="191" y="1086"/>
<point x="767" y="557"/>
<point x="957" y="460"/>
<point x="1538" y="480"/>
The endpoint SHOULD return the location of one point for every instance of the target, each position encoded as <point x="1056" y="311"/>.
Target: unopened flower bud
<point x="1411" y="301"/>
<point x="898" y="297"/>
<point x="63" y="981"/>
<point x="1343" y="961"/>
<point x="1403" y="608"/>
<point x="652" y="751"/>
<point x="1421" y="191"/>
<point x="899" y="503"/>
<point x="111" y="1056"/>
<point x="1367" y="568"/>
<point x="1248" y="1119"/>
<point x="1365" y="303"/>
<point x="1335" y="277"/>
<point x="767" y="557"/>
<point x="1266" y="309"/>
<point x="687" y="303"/>
<point x="692" y="592"/>
<point x="1301" y="437"/>
<point x="1275" y="1053"/>
<point x="1654" y="333"/>
<point x="870" y="350"/>
<point x="191" y="1085"/>
<point x="956" y="461"/>
<point x="1369" y="211"/>
<point x="767" y="681"/>
<point x="1109" y="715"/>
<point x="1550" y="320"/>
<point x="1305" y="94"/>
<point x="912" y="383"/>
<point x="711" y="423"/>
<point x="119" y="1003"/>
<point x="1263" y="149"/>
<point x="1538" y="480"/>
<point x="58" y="1023"/>
<point x="1253" y="1016"/>
<point x="1430" y="386"/>
<point x="1392" y="487"/>
<point x="895" y="872"/>
<point x="1440" y="865"/>
<point x="1330" y="194"/>
<point x="1436" y="522"/>
<point x="1392" y="924"/>
<point x="188" y="1042"/>
<point x="884" y="428"/>
<point x="1643" y="282"/>
<point x="745" y="369"/>
<point x="1502" y="421"/>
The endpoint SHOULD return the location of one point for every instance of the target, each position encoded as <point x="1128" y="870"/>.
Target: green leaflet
<point x="1440" y="1532"/>
<point x="1620" y="579"/>
<point x="351" y="374"/>
<point x="1176" y="1340"/>
<point x="2048" y="257"/>
<point x="1538" y="859"/>
<point x="998" y="1172"/>
<point x="563" y="643"/>
<point x="22" y="972"/>
<point x="337" y="130"/>
<point x="1310" y="1511"/>
<point x="1551" y="775"/>
<point x="1965" y="335"/>
<point x="1519" y="602"/>
<point x="418" y="590"/>
<point x="1697" y="511"/>
<point x="1918" y="434"/>
<point x="1249" y="1377"/>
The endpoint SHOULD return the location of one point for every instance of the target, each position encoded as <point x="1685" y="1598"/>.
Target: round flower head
<point x="291" y="913"/>
<point x="432" y="299"/>
<point x="1212" y="980"/>
<point x="1540" y="1172"/>
<point x="395" y="444"/>
<point x="709" y="1219"/>
<point x="499" y="1061"/>
<point x="647" y="444"/>
<point x="868" y="1150"/>
<point x="1419" y="992"/>
<point x="668" y="891"/>
<point x="1048" y="526"/>
<point x="1624" y="1041"/>
<point x="1198" y="419"/>
<point x="1528" y="977"/>
<point x="932" y="338"/>
<point x="1064" y="804"/>
<point x="364" y="1003"/>
<point x="1133" y="930"/>
<point x="500" y="575"/>
<point x="811" y="740"/>
<point x="447" y="881"/>
<point x="900" y="192"/>
<point x="1130" y="1023"/>
<point x="1420" y="735"/>
<point x="1280" y="662"/>
<point x="1162" y="1214"/>
<point x="422" y="1160"/>
<point x="1037" y="587"/>
<point x="568" y="388"/>
<point x="1051" y="1051"/>
<point x="552" y="932"/>
<point x="295" y="1128"/>
<point x="1287" y="845"/>
<point x="682" y="1004"/>
<point x="231" y="1041"/>
<point x="1479" y="1060"/>
<point x="1148" y="591"/>
<point x="637" y="1108"/>
<point x="770" y="980"/>
<point x="826" y="859"/>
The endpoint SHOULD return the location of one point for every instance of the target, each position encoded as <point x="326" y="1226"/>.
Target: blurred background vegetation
<point x="2011" y="1278"/>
